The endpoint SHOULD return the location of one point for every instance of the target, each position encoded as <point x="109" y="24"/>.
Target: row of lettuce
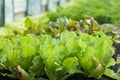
<point x="33" y="25"/>
<point x="103" y="11"/>
<point x="31" y="51"/>
<point x="54" y="48"/>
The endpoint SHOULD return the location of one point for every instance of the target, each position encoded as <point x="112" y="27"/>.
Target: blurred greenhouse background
<point x="103" y="11"/>
<point x="12" y="10"/>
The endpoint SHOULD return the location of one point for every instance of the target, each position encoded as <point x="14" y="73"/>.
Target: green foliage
<point x="17" y="27"/>
<point x="37" y="68"/>
<point x="20" y="48"/>
<point x="60" y="57"/>
<point x="110" y="73"/>
<point x="78" y="50"/>
<point x="6" y="33"/>
<point x="3" y="43"/>
<point x="103" y="11"/>
<point x="58" y="50"/>
<point x="35" y="47"/>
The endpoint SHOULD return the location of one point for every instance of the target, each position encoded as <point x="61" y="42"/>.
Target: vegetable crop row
<point x="32" y="57"/>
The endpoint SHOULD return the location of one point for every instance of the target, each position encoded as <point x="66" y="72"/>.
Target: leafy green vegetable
<point x="37" y="68"/>
<point x="59" y="57"/>
<point x="111" y="74"/>
<point x="6" y="33"/>
<point x="3" y="43"/>
<point x="79" y="9"/>
<point x="20" y="51"/>
<point x="71" y="65"/>
<point x="80" y="50"/>
<point x="59" y="49"/>
<point x="16" y="27"/>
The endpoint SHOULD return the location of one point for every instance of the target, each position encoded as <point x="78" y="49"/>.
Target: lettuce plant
<point x="34" y="57"/>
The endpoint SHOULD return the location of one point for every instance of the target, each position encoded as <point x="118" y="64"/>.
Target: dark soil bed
<point x="82" y="77"/>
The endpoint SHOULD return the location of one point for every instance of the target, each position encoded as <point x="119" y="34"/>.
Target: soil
<point x="115" y="56"/>
<point x="117" y="50"/>
<point x="82" y="77"/>
<point x="7" y="78"/>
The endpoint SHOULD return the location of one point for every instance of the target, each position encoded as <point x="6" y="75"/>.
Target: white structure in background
<point x="16" y="9"/>
<point x="8" y="13"/>
<point x="62" y="2"/>
<point x="34" y="7"/>
<point x="20" y="8"/>
<point x="1" y="13"/>
<point x="53" y="4"/>
<point x="44" y="6"/>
